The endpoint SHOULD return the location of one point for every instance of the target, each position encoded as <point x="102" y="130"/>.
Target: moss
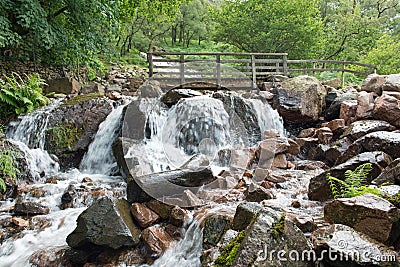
<point x="81" y="98"/>
<point x="395" y="200"/>
<point x="63" y="135"/>
<point x="228" y="253"/>
<point x="253" y="260"/>
<point x="278" y="227"/>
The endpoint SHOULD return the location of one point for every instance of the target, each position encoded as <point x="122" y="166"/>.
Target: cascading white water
<point x="99" y="158"/>
<point x="268" y="118"/>
<point x="196" y="125"/>
<point x="29" y="136"/>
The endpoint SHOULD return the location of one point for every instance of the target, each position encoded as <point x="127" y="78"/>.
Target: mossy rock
<point x="62" y="136"/>
<point x="80" y="99"/>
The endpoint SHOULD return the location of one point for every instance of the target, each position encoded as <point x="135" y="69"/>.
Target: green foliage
<point x="228" y="253"/>
<point x="292" y="26"/>
<point x="349" y="78"/>
<point x="278" y="227"/>
<point x="385" y="55"/>
<point x="8" y="168"/>
<point x="395" y="200"/>
<point x="19" y="96"/>
<point x="353" y="184"/>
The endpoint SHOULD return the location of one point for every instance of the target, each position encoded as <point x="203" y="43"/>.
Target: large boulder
<point x="62" y="85"/>
<point x="388" y="142"/>
<point x="341" y="246"/>
<point x="156" y="239"/>
<point x="319" y="187"/>
<point x="150" y="89"/>
<point x="392" y="83"/>
<point x="373" y="83"/>
<point x="387" y="108"/>
<point x="72" y="127"/>
<point x="268" y="231"/>
<point x="360" y="128"/>
<point x="368" y="214"/>
<point x="300" y="99"/>
<point x="106" y="223"/>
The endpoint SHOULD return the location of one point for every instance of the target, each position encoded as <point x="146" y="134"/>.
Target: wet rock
<point x="214" y="228"/>
<point x="120" y="147"/>
<point x="68" y="198"/>
<point x="390" y="175"/>
<point x="368" y="214"/>
<point x="279" y="233"/>
<point x="189" y="199"/>
<point x="150" y="89"/>
<point x="333" y="112"/>
<point x="143" y="215"/>
<point x="387" y="142"/>
<point x="305" y="133"/>
<point x="62" y="85"/>
<point x="245" y="213"/>
<point x="113" y="95"/>
<point x="54" y="256"/>
<point x="280" y="161"/>
<point x="178" y="216"/>
<point x="336" y="125"/>
<point x="93" y="88"/>
<point x="172" y="97"/>
<point x="300" y="99"/>
<point x="308" y="147"/>
<point x="242" y="158"/>
<point x="30" y="208"/>
<point x="319" y="188"/>
<point x="72" y="127"/>
<point x="387" y="108"/>
<point x="294" y="147"/>
<point x="309" y="165"/>
<point x="274" y="145"/>
<point x="373" y="83"/>
<point x="156" y="239"/>
<point x="51" y="180"/>
<point x="20" y="222"/>
<point x="339" y="245"/>
<point x="106" y="223"/>
<point x="272" y="133"/>
<point x="305" y="223"/>
<point x="392" y="83"/>
<point x="360" y="128"/>
<point x="348" y="111"/>
<point x="161" y="208"/>
<point x="173" y="183"/>
<point x="256" y="193"/>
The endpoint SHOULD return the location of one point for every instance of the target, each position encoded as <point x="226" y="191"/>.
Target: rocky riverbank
<point x="272" y="196"/>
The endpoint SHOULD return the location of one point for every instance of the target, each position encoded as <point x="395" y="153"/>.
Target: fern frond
<point x="2" y="185"/>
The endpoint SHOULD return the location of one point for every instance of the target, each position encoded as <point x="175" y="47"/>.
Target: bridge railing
<point x="235" y="69"/>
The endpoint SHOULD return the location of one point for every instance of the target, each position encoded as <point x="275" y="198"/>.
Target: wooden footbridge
<point x="238" y="70"/>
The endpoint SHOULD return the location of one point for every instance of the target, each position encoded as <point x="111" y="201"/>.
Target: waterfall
<point x="197" y="125"/>
<point x="29" y="135"/>
<point x="99" y="157"/>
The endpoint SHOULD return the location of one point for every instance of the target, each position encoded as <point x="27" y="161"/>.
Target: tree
<point x="385" y="55"/>
<point x="290" y="26"/>
<point x="54" y="31"/>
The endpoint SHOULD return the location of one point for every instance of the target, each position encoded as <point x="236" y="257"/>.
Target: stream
<point x="198" y="125"/>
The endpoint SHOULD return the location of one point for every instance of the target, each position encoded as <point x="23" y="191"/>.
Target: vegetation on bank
<point x="18" y="96"/>
<point x="91" y="32"/>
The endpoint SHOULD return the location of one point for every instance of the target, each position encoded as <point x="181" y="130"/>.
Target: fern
<point x="8" y="168"/>
<point x="354" y="183"/>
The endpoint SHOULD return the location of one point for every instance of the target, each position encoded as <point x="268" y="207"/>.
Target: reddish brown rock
<point x="305" y="133"/>
<point x="365" y="102"/>
<point x="256" y="193"/>
<point x="387" y="108"/>
<point x="162" y="209"/>
<point x="348" y="111"/>
<point x="20" y="222"/>
<point x="178" y="216"/>
<point x="373" y="83"/>
<point x="156" y="239"/>
<point x="143" y="215"/>
<point x="392" y="83"/>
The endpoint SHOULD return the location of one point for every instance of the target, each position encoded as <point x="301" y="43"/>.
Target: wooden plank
<point x="217" y="53"/>
<point x="285" y="65"/>
<point x="253" y="70"/>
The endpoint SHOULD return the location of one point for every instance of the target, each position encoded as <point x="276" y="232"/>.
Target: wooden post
<point x="150" y="60"/>
<point x="182" y="69"/>
<point x="253" y="70"/>
<point x="218" y="60"/>
<point x="285" y="66"/>
<point x="342" y="74"/>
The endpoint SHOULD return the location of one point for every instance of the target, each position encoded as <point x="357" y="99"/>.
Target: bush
<point x="18" y="96"/>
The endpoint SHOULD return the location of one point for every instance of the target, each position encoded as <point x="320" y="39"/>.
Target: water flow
<point x="29" y="136"/>
<point x="99" y="158"/>
<point x="268" y="118"/>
